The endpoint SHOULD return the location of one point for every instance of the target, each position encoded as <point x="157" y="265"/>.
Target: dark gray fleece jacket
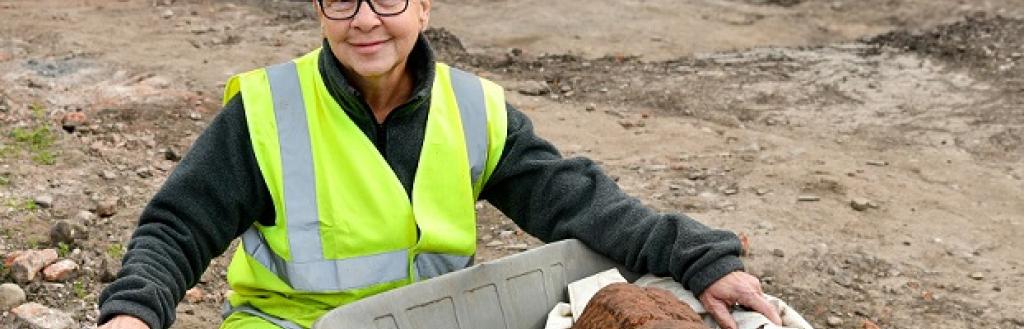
<point x="217" y="192"/>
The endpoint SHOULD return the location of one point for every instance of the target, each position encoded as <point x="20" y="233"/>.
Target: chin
<point x="368" y="70"/>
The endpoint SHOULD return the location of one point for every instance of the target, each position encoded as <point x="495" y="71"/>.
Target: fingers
<point x="759" y="304"/>
<point x="720" y="312"/>
<point x="124" y="322"/>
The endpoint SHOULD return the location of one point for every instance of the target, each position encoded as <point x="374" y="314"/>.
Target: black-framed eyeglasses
<point x="346" y="9"/>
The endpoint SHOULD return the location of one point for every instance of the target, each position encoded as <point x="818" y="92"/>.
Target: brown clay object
<point x="627" y="306"/>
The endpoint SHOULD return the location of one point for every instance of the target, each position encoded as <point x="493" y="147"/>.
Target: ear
<point x="320" y="17"/>
<point x="424" y="13"/>
<point x="316" y="7"/>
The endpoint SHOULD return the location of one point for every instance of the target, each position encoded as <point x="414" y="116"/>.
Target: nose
<point x="365" y="18"/>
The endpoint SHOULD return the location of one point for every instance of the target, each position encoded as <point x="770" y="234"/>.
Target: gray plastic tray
<point x="515" y="292"/>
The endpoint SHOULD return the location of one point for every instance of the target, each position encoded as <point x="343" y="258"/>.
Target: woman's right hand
<point x="124" y="322"/>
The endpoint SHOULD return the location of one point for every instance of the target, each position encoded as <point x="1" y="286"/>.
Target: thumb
<point x="720" y="312"/>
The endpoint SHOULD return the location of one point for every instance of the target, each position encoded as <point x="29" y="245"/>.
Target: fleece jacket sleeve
<point x="554" y="198"/>
<point x="211" y="197"/>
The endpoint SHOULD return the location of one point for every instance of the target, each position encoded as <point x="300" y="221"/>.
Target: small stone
<point x="762" y="191"/>
<point x="85" y="217"/>
<point x="108" y="270"/>
<point x="11" y="295"/>
<point x="67" y="233"/>
<point x="60" y="271"/>
<point x="861" y="204"/>
<point x="195" y="295"/>
<point x="614" y="113"/>
<point x="534" y="88"/>
<point x="26" y="266"/>
<point x="164" y="3"/>
<point x="778" y="253"/>
<point x="38" y="316"/>
<point x="108" y="175"/>
<point x="978" y="276"/>
<point x="195" y="116"/>
<point x="44" y="201"/>
<point x="808" y="198"/>
<point x="495" y="243"/>
<point x="171" y="155"/>
<point x="877" y="163"/>
<point x="517" y="247"/>
<point x="71" y="121"/>
<point x="506" y="233"/>
<point x="867" y="324"/>
<point x="834" y="321"/>
<point x="144" y="172"/>
<point x="591" y="107"/>
<point x="106" y="207"/>
<point x="657" y="167"/>
<point x="725" y="206"/>
<point x="167" y="14"/>
<point x="9" y="259"/>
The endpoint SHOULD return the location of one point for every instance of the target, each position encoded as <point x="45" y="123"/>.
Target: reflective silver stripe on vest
<point x="328" y="275"/>
<point x="296" y="164"/>
<point x="469" y="94"/>
<point x="226" y="312"/>
<point x="258" y="249"/>
<point x="431" y="265"/>
<point x="308" y="270"/>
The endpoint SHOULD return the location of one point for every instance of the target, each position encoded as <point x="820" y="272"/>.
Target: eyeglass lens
<point x="346" y="9"/>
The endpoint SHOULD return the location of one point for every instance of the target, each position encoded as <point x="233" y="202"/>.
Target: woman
<point x="354" y="169"/>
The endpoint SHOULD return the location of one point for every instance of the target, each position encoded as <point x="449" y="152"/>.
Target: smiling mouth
<point x="367" y="48"/>
<point x="367" y="44"/>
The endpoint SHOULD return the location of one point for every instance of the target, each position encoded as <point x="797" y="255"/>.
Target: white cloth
<point x="560" y="317"/>
<point x="744" y="319"/>
<point x="580" y="292"/>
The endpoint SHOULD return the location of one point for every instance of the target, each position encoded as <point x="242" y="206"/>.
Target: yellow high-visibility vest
<point x="345" y="228"/>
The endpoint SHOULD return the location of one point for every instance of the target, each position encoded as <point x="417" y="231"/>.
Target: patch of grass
<point x="27" y="205"/>
<point x="79" y="289"/>
<point x="37" y="139"/>
<point x="115" y="251"/>
<point x="45" y="157"/>
<point x="63" y="249"/>
<point x="5" y="179"/>
<point x="22" y="204"/>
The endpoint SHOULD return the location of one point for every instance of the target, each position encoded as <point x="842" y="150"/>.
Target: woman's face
<point x="369" y="45"/>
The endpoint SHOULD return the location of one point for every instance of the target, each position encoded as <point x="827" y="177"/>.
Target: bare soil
<point x="729" y="111"/>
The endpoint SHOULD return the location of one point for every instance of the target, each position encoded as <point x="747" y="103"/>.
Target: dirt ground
<point x="871" y="151"/>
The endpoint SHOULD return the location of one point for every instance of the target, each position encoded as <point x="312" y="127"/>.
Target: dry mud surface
<point x="870" y="151"/>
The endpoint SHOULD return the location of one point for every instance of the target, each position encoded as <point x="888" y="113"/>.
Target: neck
<point x="385" y="92"/>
